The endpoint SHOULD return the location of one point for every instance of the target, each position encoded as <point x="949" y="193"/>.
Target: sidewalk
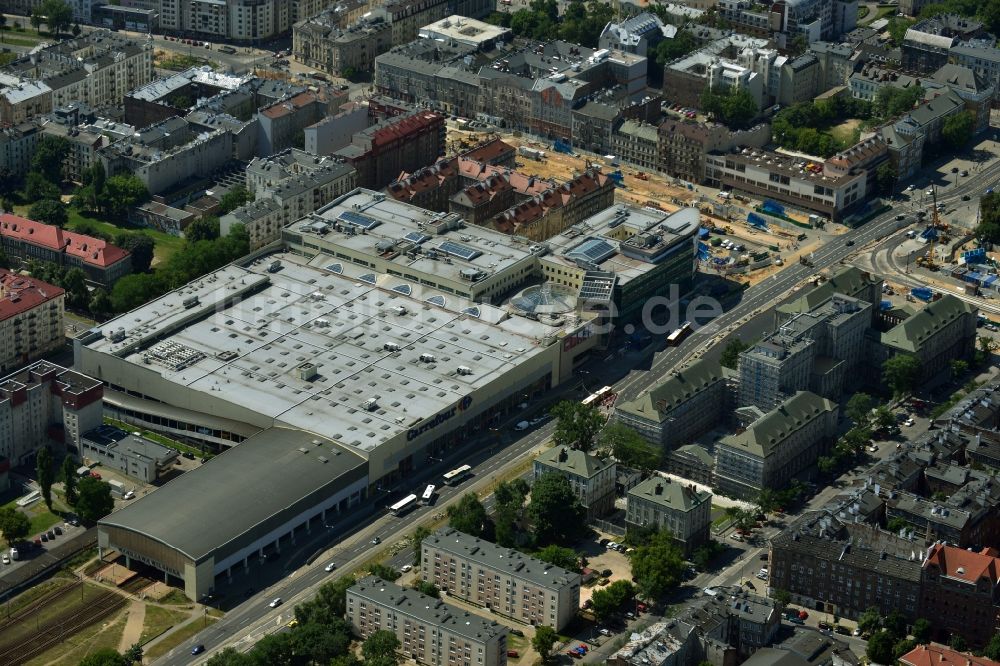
<point x="133" y="626"/>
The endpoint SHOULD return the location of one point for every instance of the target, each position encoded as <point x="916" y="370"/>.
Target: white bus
<point x="597" y="396"/>
<point x="456" y="476"/>
<point x="428" y="494"/>
<point x="679" y="335"/>
<point x="402" y="506"/>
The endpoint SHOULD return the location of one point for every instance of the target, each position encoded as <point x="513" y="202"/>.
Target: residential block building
<point x="961" y="591"/>
<point x="45" y="404"/>
<point x="939" y="655"/>
<point x="683" y="407"/>
<point x="841" y="567"/>
<point x="669" y="505"/>
<point x="943" y="330"/>
<point x="776" y="447"/>
<point x="102" y="262"/>
<point x="591" y="478"/>
<point x="17" y="147"/>
<point x="429" y="630"/>
<point x="393" y="146"/>
<point x="506" y="581"/>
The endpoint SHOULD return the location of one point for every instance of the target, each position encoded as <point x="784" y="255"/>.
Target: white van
<point x="14" y="555"/>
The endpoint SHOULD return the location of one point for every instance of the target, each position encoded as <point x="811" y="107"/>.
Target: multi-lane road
<point x="248" y="622"/>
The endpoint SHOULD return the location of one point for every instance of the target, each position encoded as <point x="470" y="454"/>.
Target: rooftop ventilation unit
<point x="427" y="358"/>
<point x="308" y="372"/>
<point x="370" y="405"/>
<point x="463" y="370"/>
<point x="391" y="347"/>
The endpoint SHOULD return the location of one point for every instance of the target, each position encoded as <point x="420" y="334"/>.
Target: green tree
<point x="379" y="649"/>
<point x="895" y="624"/>
<point x="76" y="30"/>
<point x="577" y="425"/>
<point x="957" y="129"/>
<point x="123" y="192"/>
<point x="133" y="655"/>
<point x="731" y="354"/>
<point x="274" y="649"/>
<point x="469" y="516"/>
<point x="560" y="556"/>
<point x="958" y="367"/>
<point x="43" y="469"/>
<point x="104" y="656"/>
<point x="903" y="646"/>
<point x="417" y="539"/>
<point x="782" y="597"/>
<point x="886" y="178"/>
<point x="658" y="566"/>
<point x="891" y="102"/>
<point x="827" y="464"/>
<point x="608" y="601"/>
<point x="49" y="157"/>
<point x="140" y="246"/>
<point x="319" y="644"/>
<point x="544" y="639"/>
<point x="133" y="290"/>
<point x="94" y="501"/>
<point x="56" y="14"/>
<point x="897" y="29"/>
<point x="14" y="525"/>
<point x="100" y="304"/>
<point x="37" y="187"/>
<point x="231" y="657"/>
<point x="736" y="109"/>
<point x="49" y="211"/>
<point x="958" y="643"/>
<point x="75" y="284"/>
<point x="68" y="471"/>
<point x="922" y="633"/>
<point x="235" y="198"/>
<point x="511" y="493"/>
<point x="870" y="621"/>
<point x="901" y="373"/>
<point x="884" y="418"/>
<point x="329" y="604"/>
<point x="880" y="648"/>
<point x="204" y="228"/>
<point x="94" y="184"/>
<point x="668" y="50"/>
<point x="992" y="650"/>
<point x="427" y="587"/>
<point x="894" y="525"/>
<point x="629" y="447"/>
<point x="555" y="510"/>
<point x="509" y="510"/>
<point x="383" y="571"/>
<point x="859" y="409"/>
<point x="767" y="500"/>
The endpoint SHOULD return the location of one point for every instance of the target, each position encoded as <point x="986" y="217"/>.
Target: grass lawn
<point x="176" y="598"/>
<point x="43" y="519"/>
<point x="156" y="437"/>
<point x="886" y="12"/>
<point x="159" y="620"/>
<point x="181" y="61"/>
<point x="22" y="38"/>
<point x="69" y="604"/>
<point x="844" y="132"/>
<point x="93" y="638"/>
<point x="172" y="640"/>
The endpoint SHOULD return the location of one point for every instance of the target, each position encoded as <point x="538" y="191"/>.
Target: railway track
<point x="30" y="609"/>
<point x="58" y="628"/>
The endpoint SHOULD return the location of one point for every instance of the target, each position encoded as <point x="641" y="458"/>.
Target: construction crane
<point x="929" y="262"/>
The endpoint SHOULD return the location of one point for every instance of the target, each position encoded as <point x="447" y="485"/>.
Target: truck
<point x="117" y="488"/>
<point x="531" y="153"/>
<point x="83" y="471"/>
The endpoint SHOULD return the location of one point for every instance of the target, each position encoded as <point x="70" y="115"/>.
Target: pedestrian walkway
<point x="133" y="626"/>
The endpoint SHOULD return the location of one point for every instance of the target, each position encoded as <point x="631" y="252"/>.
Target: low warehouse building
<point x="256" y="496"/>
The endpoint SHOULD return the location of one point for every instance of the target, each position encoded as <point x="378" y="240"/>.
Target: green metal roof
<point x="850" y="281"/>
<point x="573" y="461"/>
<point x="669" y="494"/>
<point x="676" y="390"/>
<point x="911" y="334"/>
<point x="763" y="436"/>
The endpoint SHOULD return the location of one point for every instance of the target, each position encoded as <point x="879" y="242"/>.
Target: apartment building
<point x="554" y="210"/>
<point x="31" y="319"/>
<point x="395" y="145"/>
<point x="17" y="147"/>
<point x="943" y="330"/>
<point x="666" y="504"/>
<point x="927" y="43"/>
<point x="501" y="579"/>
<point x="429" y="630"/>
<point x="961" y="590"/>
<point x="287" y="187"/>
<point x="591" y="478"/>
<point x="939" y="655"/>
<point x="281" y="123"/>
<point x="683" y="407"/>
<point x="102" y="262"/>
<point x="775" y="368"/>
<point x="639" y="34"/>
<point x="44" y="404"/>
<point x="20" y="101"/>
<point x="320" y="43"/>
<point x="840" y="567"/>
<point x="849" y="281"/>
<point x="638" y="144"/>
<point x="97" y="68"/>
<point x="684" y="144"/>
<point x="981" y="56"/>
<point x="776" y="447"/>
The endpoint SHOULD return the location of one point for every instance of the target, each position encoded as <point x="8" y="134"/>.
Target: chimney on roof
<point x="659" y="488"/>
<point x="563" y="455"/>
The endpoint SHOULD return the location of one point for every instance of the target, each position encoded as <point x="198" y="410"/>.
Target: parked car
<point x="45" y="537"/>
<point x="188" y="455"/>
<point x="517" y="632"/>
<point x="796" y="620"/>
<point x="129" y="495"/>
<point x="606" y="573"/>
<point x="513" y="654"/>
<point x="51" y="535"/>
<point x="574" y="654"/>
<point x="57" y="530"/>
<point x="604" y="632"/>
<point x="406" y="567"/>
<point x="5" y="559"/>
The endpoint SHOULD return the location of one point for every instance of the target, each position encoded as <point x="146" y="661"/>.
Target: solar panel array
<point x="459" y="250"/>
<point x="359" y="220"/>
<point x="593" y="250"/>
<point x="416" y="237"/>
<point x="596" y="288"/>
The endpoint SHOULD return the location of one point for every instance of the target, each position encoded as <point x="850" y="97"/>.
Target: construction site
<point x="734" y="241"/>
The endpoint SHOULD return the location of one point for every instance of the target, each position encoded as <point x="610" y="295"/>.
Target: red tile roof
<point x="406" y="127"/>
<point x="964" y="565"/>
<point x="19" y="294"/>
<point x="939" y="655"/>
<point x="88" y="249"/>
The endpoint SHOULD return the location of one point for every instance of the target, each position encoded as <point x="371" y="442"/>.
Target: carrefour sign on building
<point x="440" y="418"/>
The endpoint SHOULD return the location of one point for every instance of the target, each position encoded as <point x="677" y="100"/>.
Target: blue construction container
<point x="561" y="146"/>
<point x="773" y="208"/>
<point x="756" y="220"/>
<point x="922" y="293"/>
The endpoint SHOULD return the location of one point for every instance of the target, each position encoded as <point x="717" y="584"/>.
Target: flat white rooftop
<point x="242" y="334"/>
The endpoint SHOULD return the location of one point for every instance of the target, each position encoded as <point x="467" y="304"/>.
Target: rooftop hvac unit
<point x="190" y="302"/>
<point x="399" y="310"/>
<point x="427" y="358"/>
<point x="463" y="370"/>
<point x="391" y="347"/>
<point x="370" y="405"/>
<point x="308" y="371"/>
